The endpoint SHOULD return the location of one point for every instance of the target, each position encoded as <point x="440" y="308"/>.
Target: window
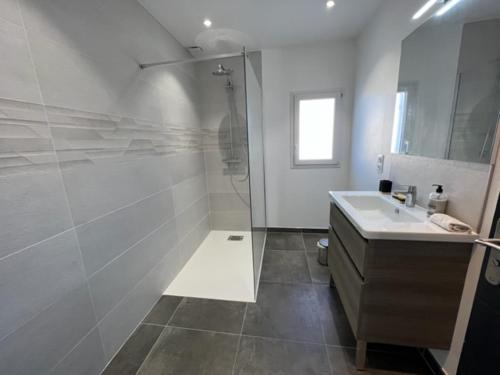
<point x="314" y="117"/>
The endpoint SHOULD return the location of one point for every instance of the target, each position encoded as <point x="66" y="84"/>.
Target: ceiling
<point x="259" y="24"/>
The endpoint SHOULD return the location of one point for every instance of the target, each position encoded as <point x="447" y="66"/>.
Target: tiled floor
<point x="297" y="326"/>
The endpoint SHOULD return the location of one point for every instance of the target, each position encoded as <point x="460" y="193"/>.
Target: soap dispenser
<point x="437" y="201"/>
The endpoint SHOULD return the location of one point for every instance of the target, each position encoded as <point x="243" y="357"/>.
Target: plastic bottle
<point x="437" y="201"/>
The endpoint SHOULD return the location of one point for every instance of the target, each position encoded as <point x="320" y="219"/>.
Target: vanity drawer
<point x="347" y="280"/>
<point x="352" y="241"/>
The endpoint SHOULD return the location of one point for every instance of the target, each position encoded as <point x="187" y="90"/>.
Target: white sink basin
<point x="379" y="216"/>
<point x="378" y="209"/>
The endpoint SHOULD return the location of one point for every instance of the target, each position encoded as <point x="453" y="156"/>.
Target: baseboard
<point x="301" y="230"/>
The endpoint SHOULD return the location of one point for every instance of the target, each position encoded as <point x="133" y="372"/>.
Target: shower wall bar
<point x="195" y="59"/>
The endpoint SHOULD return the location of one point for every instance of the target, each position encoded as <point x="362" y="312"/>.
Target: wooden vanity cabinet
<point x="396" y="292"/>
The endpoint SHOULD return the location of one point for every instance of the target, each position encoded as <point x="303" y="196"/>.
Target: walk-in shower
<point x="228" y="116"/>
<point x="233" y="135"/>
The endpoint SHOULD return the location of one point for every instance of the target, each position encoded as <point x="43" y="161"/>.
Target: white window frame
<point x="296" y="97"/>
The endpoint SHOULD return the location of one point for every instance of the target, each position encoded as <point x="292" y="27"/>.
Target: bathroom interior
<point x="249" y="187"/>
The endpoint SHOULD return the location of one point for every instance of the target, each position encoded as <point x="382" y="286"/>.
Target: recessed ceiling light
<point x="446" y="7"/>
<point x="330" y="4"/>
<point x="207" y="23"/>
<point x="428" y="5"/>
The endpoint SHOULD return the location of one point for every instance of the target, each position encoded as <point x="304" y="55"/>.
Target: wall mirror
<point x="448" y="97"/>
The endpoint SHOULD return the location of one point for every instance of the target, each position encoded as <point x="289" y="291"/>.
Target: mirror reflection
<point x="448" y="97"/>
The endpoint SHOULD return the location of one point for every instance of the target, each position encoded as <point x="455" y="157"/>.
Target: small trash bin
<point x="323" y="251"/>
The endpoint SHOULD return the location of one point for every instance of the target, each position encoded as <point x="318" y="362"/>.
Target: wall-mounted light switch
<point x="380" y="163"/>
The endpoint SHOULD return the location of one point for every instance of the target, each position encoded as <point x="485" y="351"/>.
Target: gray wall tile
<point x="87" y="358"/>
<point x="38" y="277"/>
<point x="9" y="10"/>
<point x="121" y="321"/>
<point x="187" y="220"/>
<point x="113" y="282"/>
<point x="94" y="190"/>
<point x="16" y="70"/>
<point x="229" y="202"/>
<point x="230" y="220"/>
<point x="220" y="183"/>
<point x="104" y="239"/>
<point x="187" y="165"/>
<point x="39" y="345"/>
<point x="188" y="191"/>
<point x="33" y="209"/>
<point x="192" y="240"/>
<point x="122" y="137"/>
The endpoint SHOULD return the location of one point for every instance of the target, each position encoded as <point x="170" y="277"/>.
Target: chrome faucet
<point x="411" y="196"/>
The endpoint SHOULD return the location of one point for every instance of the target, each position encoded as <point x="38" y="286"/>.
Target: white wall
<point x="377" y="77"/>
<point x="299" y="197"/>
<point x="376" y="83"/>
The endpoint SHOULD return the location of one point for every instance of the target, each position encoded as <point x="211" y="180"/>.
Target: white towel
<point x="450" y="224"/>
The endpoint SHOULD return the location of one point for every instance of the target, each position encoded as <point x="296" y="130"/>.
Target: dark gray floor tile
<point x="311" y="239"/>
<point x="284" y="311"/>
<point x="336" y="327"/>
<point x="285" y="267"/>
<point x="163" y="310"/>
<point x="211" y="315"/>
<point x="258" y="356"/>
<point x="378" y="363"/>
<point x="181" y="351"/>
<point x="284" y="241"/>
<point x="319" y="274"/>
<point x="132" y="354"/>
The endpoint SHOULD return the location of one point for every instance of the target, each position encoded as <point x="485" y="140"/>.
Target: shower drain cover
<point x="235" y="238"/>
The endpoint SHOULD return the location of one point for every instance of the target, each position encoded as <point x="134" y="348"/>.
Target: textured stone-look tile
<point x="132" y="354"/>
<point x="113" y="282"/>
<point x="227" y="220"/>
<point x="16" y="70"/>
<point x="106" y="238"/>
<point x="26" y="144"/>
<point x="285" y="267"/>
<point x="120" y="322"/>
<point x="211" y="315"/>
<point x="192" y="240"/>
<point x="188" y="191"/>
<point x="336" y="327"/>
<point x="284" y="241"/>
<point x="257" y="356"/>
<point x="284" y="311"/>
<point x="311" y="239"/>
<point x="49" y="336"/>
<point x="229" y="201"/>
<point x="218" y="182"/>
<point x="191" y="216"/>
<point x="96" y="189"/>
<point x="87" y="358"/>
<point x="319" y="273"/>
<point x="10" y="11"/>
<point x="38" y="277"/>
<point x="33" y="209"/>
<point x="163" y="310"/>
<point x="186" y="165"/>
<point x="181" y="351"/>
<point x="342" y="361"/>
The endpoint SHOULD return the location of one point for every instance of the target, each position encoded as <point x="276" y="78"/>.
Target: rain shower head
<point x="221" y="71"/>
